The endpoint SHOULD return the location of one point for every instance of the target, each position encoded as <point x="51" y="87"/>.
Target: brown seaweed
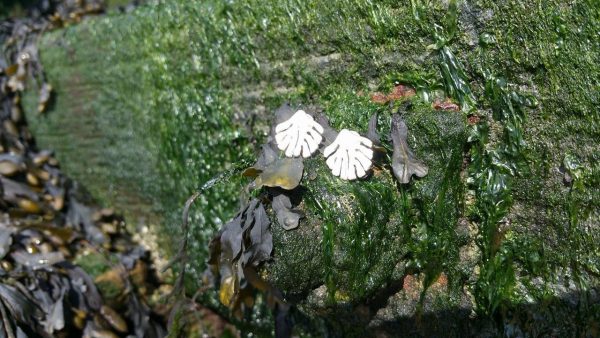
<point x="404" y="162"/>
<point x="287" y="217"/>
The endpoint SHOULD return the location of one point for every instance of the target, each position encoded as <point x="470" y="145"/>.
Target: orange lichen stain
<point x="441" y="283"/>
<point x="412" y="286"/>
<point x="447" y="105"/>
<point x="473" y="119"/>
<point x="379" y="97"/>
<point x="399" y="92"/>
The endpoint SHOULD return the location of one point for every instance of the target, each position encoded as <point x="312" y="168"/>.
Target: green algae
<point x="492" y="171"/>
<point x="517" y="133"/>
<point x="178" y="114"/>
<point x="455" y="79"/>
<point x="443" y="32"/>
<point x="93" y="263"/>
<point x="368" y="225"/>
<point x="165" y="91"/>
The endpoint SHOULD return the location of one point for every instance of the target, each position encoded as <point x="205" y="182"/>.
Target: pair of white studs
<point x="349" y="156"/>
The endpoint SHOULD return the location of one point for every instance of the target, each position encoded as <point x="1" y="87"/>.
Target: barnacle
<point x="299" y="135"/>
<point x="350" y="155"/>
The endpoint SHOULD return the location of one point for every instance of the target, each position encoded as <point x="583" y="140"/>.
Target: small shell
<point x="299" y="135"/>
<point x="350" y="155"/>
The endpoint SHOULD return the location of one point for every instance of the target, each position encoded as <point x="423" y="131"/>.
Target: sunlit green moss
<point x="179" y="92"/>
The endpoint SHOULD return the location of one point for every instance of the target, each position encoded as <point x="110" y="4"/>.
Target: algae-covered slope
<point x="152" y="104"/>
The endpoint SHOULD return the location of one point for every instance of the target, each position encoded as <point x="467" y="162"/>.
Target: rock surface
<point x="499" y="238"/>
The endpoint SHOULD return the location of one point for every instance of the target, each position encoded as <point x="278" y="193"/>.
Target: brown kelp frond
<point x="404" y="162"/>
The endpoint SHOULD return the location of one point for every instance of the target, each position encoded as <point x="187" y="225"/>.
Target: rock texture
<point x="499" y="238"/>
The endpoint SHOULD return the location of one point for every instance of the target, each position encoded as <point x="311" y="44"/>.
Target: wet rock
<point x="353" y="234"/>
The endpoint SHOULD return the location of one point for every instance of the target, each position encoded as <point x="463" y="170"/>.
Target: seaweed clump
<point x="244" y="243"/>
<point x="241" y="247"/>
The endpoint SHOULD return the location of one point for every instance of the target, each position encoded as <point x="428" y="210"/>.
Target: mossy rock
<point x="501" y="235"/>
<point x="363" y="228"/>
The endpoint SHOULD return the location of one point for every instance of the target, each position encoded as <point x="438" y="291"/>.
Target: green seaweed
<point x="180" y="91"/>
<point x="491" y="173"/>
<point x="455" y="79"/>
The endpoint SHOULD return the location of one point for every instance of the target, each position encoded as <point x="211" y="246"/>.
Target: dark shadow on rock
<point x="575" y="314"/>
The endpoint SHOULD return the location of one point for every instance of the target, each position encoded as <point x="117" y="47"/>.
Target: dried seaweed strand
<point x="182" y="252"/>
<point x="182" y="256"/>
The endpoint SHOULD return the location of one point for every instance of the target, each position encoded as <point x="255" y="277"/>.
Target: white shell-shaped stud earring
<point x="299" y="135"/>
<point x="350" y="155"/>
